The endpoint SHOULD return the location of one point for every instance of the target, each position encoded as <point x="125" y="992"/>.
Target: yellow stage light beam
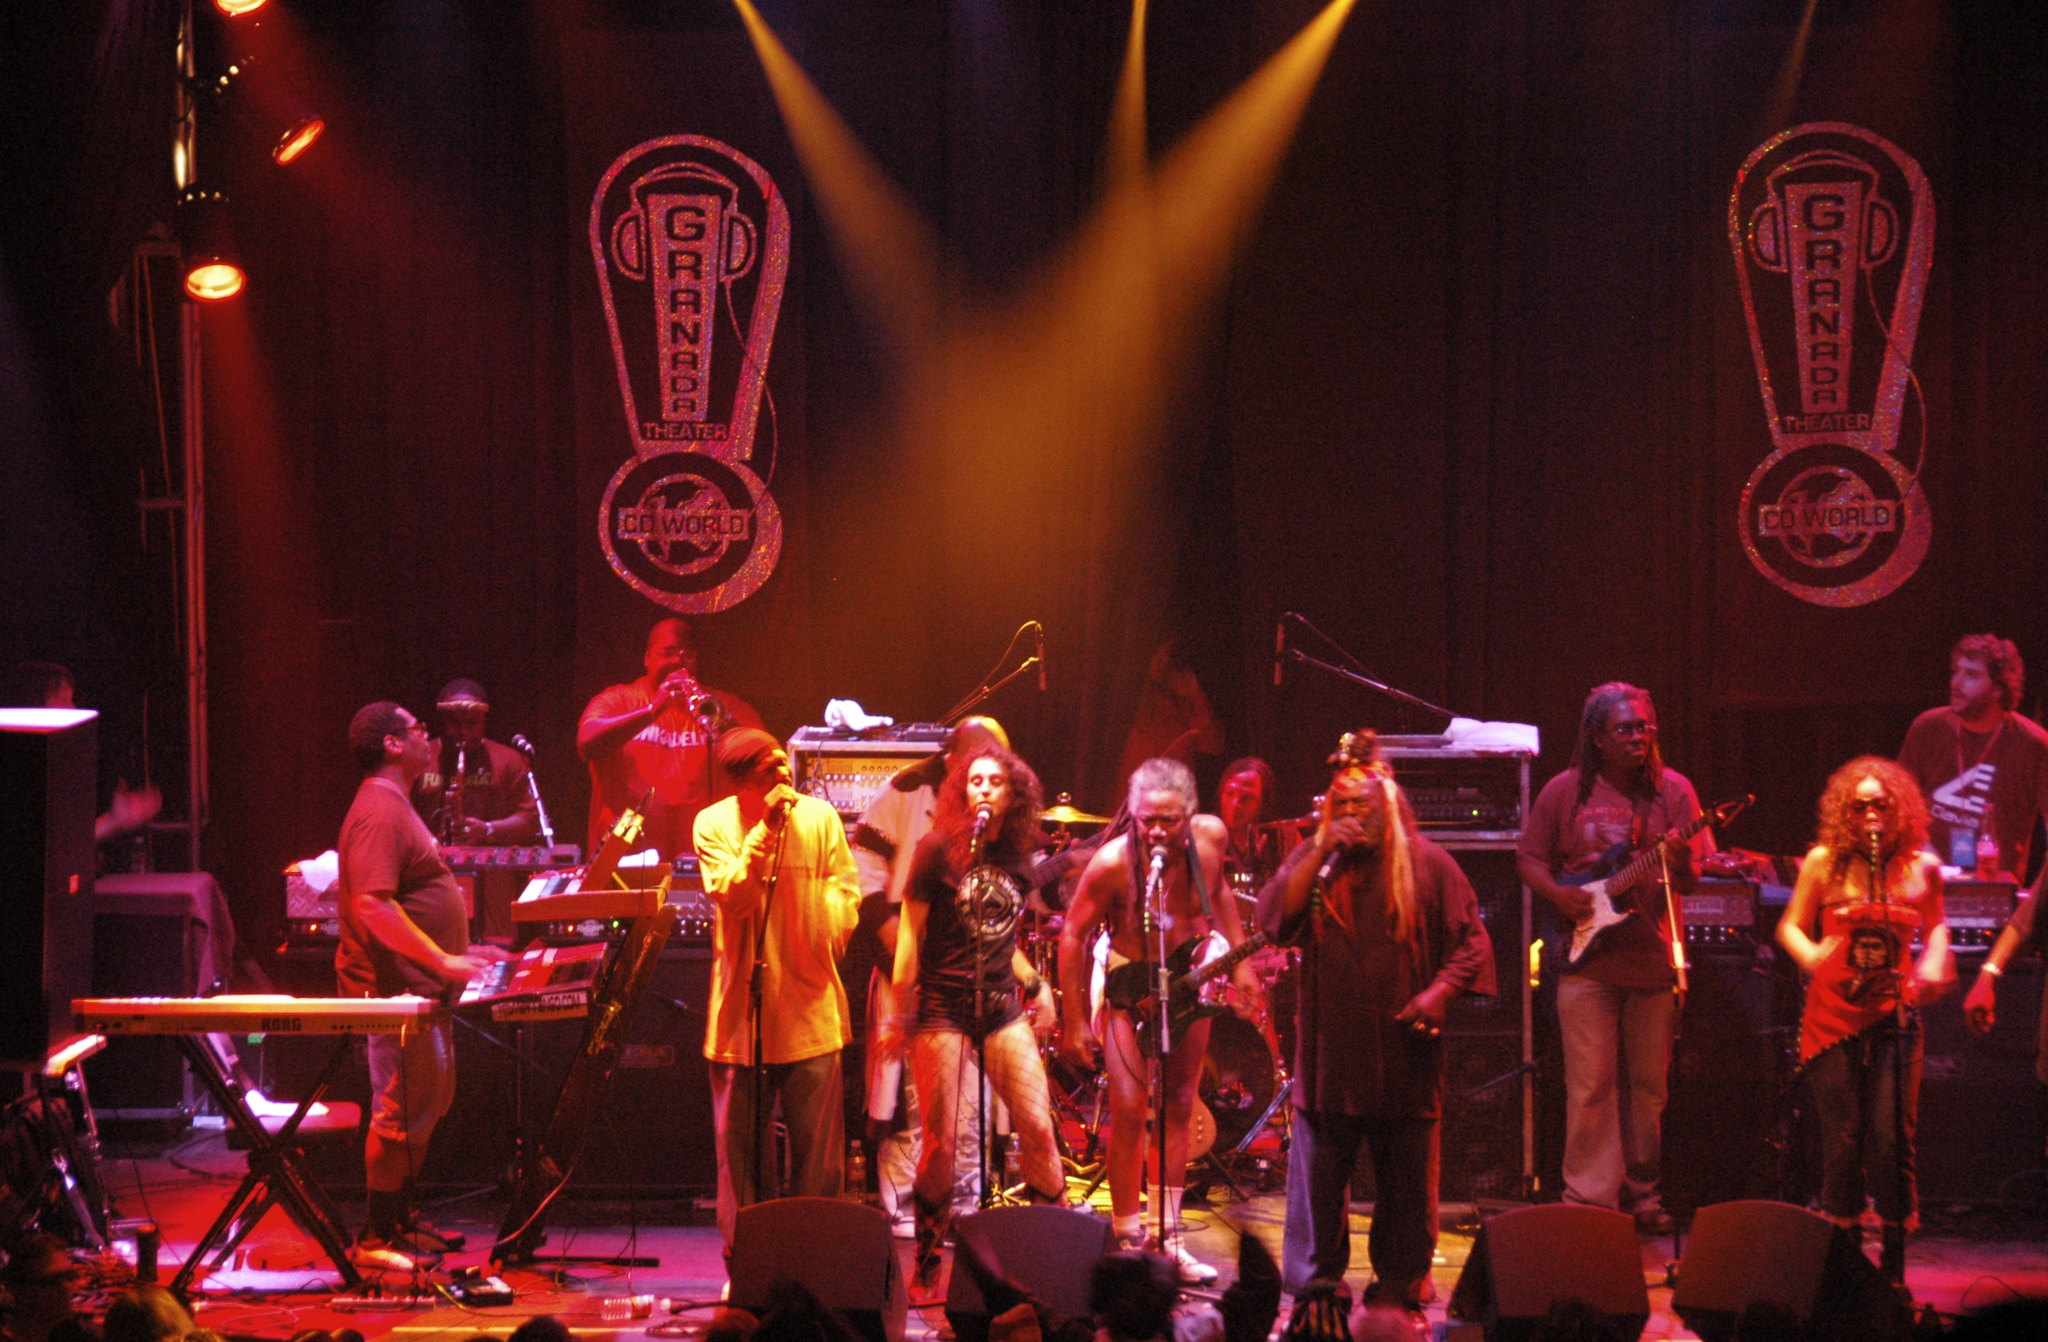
<point x="1124" y="161"/>
<point x="1777" y="110"/>
<point x="888" y="251"/>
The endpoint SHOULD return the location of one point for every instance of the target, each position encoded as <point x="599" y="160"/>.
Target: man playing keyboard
<point x="403" y="930"/>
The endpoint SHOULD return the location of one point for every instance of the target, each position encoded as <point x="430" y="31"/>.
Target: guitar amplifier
<point x="1460" y="792"/>
<point x="851" y="770"/>
<point x="1720" y="912"/>
<point x="1978" y="910"/>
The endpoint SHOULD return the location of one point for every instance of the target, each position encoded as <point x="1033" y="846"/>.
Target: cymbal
<point x="1066" y="814"/>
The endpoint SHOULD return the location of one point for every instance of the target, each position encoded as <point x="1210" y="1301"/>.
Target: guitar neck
<point x="1639" y="865"/>
<point x="1227" y="961"/>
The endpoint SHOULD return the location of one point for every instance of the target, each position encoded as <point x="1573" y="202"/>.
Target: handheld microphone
<point x="1041" y="655"/>
<point x="1330" y="865"/>
<point x="522" y="745"/>
<point x="1279" y="649"/>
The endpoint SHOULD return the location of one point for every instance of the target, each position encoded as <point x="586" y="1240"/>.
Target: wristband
<point x="1993" y="970"/>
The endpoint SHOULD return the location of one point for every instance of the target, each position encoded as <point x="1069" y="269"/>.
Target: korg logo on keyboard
<point x="281" y="1025"/>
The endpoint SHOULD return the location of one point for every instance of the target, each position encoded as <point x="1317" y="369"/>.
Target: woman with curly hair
<point x="958" y="960"/>
<point x="1865" y="891"/>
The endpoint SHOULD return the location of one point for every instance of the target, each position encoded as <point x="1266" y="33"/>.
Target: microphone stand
<point x="984" y="691"/>
<point x="1901" y="1052"/>
<point x="1360" y="678"/>
<point x="1155" y="920"/>
<point x="540" y="808"/>
<point x="756" y="1007"/>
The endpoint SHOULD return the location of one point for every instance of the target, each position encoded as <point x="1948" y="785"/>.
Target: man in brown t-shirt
<point x="403" y="930"/>
<point x="1616" y="1006"/>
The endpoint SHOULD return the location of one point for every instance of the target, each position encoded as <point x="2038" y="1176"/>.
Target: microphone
<point x="1158" y="863"/>
<point x="1279" y="649"/>
<point x="522" y="745"/>
<point x="1330" y="865"/>
<point x="1041" y="655"/>
<point x="982" y="815"/>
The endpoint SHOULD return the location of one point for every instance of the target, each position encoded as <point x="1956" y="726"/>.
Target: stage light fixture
<point x="297" y="138"/>
<point x="235" y="9"/>
<point x="212" y="272"/>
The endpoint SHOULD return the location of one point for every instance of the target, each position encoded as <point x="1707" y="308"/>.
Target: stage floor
<point x="280" y="1285"/>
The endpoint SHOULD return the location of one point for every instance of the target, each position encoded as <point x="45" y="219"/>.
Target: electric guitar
<point x="1129" y="985"/>
<point x="1610" y="880"/>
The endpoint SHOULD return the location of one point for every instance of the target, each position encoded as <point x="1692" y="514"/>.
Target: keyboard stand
<point x="277" y="1174"/>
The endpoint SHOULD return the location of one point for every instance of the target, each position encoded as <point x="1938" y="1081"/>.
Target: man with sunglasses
<point x="1617" y="1005"/>
<point x="403" y="930"/>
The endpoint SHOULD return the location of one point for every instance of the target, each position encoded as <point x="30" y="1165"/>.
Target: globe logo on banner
<point x="1833" y="232"/>
<point x="691" y="242"/>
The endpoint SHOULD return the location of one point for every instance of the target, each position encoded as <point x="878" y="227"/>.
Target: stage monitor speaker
<point x="1046" y="1250"/>
<point x="1526" y="1260"/>
<point x="1743" y="1253"/>
<point x="840" y="1251"/>
<point x="48" y="761"/>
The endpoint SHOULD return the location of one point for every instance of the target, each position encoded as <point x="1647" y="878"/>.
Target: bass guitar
<point x="1130" y="985"/>
<point x="1620" y="870"/>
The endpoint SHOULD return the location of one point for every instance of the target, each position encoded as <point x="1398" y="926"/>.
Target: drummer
<point x="1254" y="852"/>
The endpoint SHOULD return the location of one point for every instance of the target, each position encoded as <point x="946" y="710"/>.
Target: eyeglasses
<point x="1876" y="805"/>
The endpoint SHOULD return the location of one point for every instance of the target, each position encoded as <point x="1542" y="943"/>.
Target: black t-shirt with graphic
<point x="972" y="921"/>
<point x="1960" y="770"/>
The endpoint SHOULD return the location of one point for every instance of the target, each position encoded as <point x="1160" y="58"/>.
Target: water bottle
<point x="1987" y="848"/>
<point x="856" y="1172"/>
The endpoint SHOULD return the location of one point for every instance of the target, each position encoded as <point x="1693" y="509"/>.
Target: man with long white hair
<point x="1389" y="933"/>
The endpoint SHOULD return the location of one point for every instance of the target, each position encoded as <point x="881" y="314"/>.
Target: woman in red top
<point x="1853" y="935"/>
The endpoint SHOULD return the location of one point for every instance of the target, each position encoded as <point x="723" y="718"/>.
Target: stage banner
<point x="1832" y="228"/>
<point x="688" y="362"/>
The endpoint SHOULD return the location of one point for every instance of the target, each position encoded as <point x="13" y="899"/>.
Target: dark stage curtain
<point x="1478" y="399"/>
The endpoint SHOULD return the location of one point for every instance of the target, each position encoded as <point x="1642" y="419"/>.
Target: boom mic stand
<point x="758" y="1081"/>
<point x="1353" y="673"/>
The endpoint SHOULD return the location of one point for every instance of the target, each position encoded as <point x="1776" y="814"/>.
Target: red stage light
<point x="298" y="139"/>
<point x="214" y="281"/>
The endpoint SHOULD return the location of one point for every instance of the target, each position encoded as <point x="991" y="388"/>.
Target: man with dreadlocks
<point x="1390" y="933"/>
<point x="1617" y="1005"/>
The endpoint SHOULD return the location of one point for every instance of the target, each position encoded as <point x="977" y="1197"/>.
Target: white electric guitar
<point x="1619" y="871"/>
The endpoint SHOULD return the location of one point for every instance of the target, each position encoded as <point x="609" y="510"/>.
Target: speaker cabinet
<point x="840" y="1251"/>
<point x="1525" y="1259"/>
<point x="1980" y="1104"/>
<point x="48" y="759"/>
<point x="1731" y="1073"/>
<point x="142" y="955"/>
<point x="1744" y="1253"/>
<point x="654" y="1135"/>
<point x="1046" y="1250"/>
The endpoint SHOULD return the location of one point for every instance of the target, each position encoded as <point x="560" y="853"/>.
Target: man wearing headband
<point x="772" y="856"/>
<point x="1389" y="932"/>
<point x="1180" y="853"/>
<point x="475" y="790"/>
<point x="652" y="737"/>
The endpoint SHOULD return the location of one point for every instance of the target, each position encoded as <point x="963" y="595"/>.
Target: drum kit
<point x="1239" y="1124"/>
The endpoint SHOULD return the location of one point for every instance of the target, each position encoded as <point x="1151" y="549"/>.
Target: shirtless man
<point x="1185" y="850"/>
